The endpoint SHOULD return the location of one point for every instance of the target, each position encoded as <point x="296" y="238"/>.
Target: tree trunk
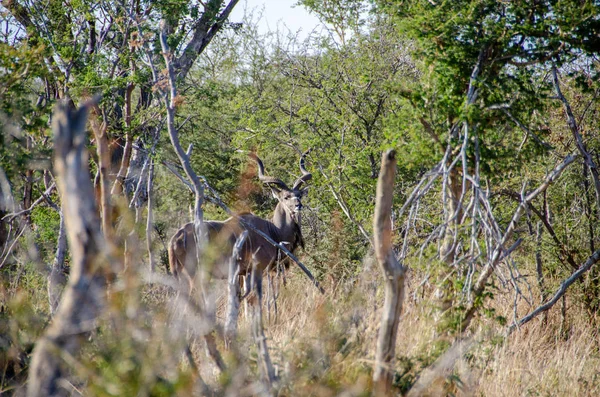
<point x="28" y="186"/>
<point x="264" y="360"/>
<point x="150" y="219"/>
<point x="7" y="205"/>
<point x="84" y="297"/>
<point x="120" y="179"/>
<point x="57" y="278"/>
<point x="393" y="273"/>
<point x="453" y="214"/>
<point x="135" y="180"/>
<point x="103" y="171"/>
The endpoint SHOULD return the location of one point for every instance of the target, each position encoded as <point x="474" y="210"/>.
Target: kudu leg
<point x="269" y="296"/>
<point x="213" y="352"/>
<point x="233" y="308"/>
<point x="197" y="303"/>
<point x="264" y="360"/>
<point x="203" y="386"/>
<point x="233" y="290"/>
<point x="247" y="285"/>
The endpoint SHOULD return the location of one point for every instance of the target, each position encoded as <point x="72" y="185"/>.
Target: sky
<point x="275" y="12"/>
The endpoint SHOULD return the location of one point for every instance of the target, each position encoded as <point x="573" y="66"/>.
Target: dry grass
<point x="324" y="345"/>
<point x="539" y="361"/>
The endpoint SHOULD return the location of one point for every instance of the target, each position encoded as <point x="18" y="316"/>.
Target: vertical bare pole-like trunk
<point x="56" y="278"/>
<point x="84" y="297"/>
<point x="100" y="133"/>
<point x="393" y="273"/>
<point x="233" y="291"/>
<point x="28" y="188"/>
<point x="120" y="179"/>
<point x="7" y="204"/>
<point x="184" y="157"/>
<point x="150" y="218"/>
<point x="170" y="99"/>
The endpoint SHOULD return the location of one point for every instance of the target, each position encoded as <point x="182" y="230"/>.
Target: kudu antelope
<point x="283" y="227"/>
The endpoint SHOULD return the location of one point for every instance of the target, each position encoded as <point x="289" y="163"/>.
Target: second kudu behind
<point x="283" y="227"/>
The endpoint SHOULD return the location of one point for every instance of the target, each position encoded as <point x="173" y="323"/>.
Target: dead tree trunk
<point x="393" y="273"/>
<point x="84" y="296"/>
<point x="28" y="188"/>
<point x="135" y="180"/>
<point x="200" y="237"/>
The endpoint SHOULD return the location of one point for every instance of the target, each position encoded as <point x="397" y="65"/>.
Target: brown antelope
<point x="284" y="227"/>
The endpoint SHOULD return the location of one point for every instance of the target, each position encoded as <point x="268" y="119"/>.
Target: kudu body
<point x="284" y="226"/>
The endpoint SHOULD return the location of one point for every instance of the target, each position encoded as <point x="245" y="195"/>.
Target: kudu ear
<point x="304" y="191"/>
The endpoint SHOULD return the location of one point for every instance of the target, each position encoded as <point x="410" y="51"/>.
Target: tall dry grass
<point x="323" y="345"/>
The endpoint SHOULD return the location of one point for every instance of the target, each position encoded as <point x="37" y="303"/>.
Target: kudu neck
<point x="288" y="227"/>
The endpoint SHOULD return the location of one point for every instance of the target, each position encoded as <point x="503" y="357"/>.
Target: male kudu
<point x="284" y="227"/>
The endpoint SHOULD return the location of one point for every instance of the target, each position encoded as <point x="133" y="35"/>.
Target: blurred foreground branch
<point x="84" y="296"/>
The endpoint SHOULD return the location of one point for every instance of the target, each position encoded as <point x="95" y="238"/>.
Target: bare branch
<point x="43" y="196"/>
<point x="591" y="261"/>
<point x="578" y="139"/>
<point x="150" y="218"/>
<point x="57" y="278"/>
<point x="564" y="251"/>
<point x="266" y="367"/>
<point x="498" y="252"/>
<point x="174" y="135"/>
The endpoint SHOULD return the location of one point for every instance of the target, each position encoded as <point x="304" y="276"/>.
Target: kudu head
<point x="289" y="198"/>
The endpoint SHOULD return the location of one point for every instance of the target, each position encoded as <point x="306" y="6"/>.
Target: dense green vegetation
<point x="481" y="100"/>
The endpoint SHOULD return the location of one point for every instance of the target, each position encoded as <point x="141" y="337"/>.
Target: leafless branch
<point x="576" y="134"/>
<point x="43" y="196"/>
<point x="498" y="252"/>
<point x="587" y="265"/>
<point x="205" y="29"/>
